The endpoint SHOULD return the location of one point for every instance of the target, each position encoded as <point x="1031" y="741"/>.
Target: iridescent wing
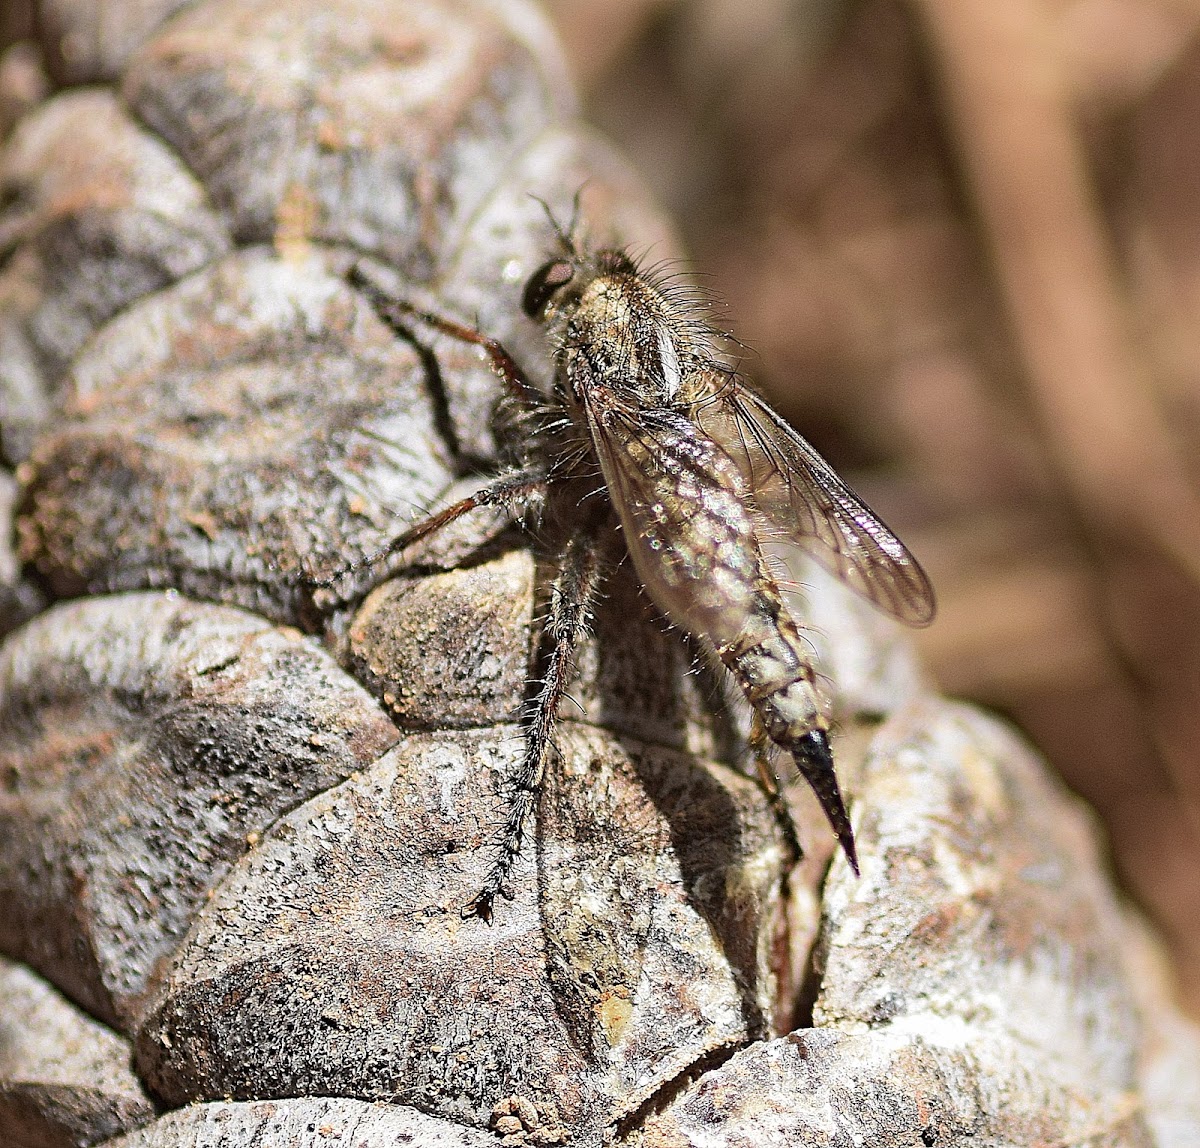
<point x="803" y="498"/>
<point x="682" y="507"/>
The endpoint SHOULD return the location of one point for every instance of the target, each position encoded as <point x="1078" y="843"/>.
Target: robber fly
<point x="698" y="472"/>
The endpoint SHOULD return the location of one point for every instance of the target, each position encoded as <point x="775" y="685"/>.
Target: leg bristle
<point x="570" y="612"/>
<point x="814" y="759"/>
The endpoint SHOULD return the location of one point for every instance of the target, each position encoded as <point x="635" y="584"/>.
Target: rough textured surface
<point x="1168" y="1053"/>
<point x="65" y="1080"/>
<point x="101" y="214"/>
<point x="453" y="650"/>
<point x="981" y="901"/>
<point x="257" y="424"/>
<point x="334" y="957"/>
<point x="88" y="42"/>
<point x="894" y="1090"/>
<point x="213" y="836"/>
<point x="634" y="676"/>
<point x="19" y="598"/>
<point x="972" y="983"/>
<point x="253" y="424"/>
<point x="449" y="650"/>
<point x="372" y="123"/>
<point x="146" y="737"/>
<point x="303" y="1123"/>
<point x="108" y="214"/>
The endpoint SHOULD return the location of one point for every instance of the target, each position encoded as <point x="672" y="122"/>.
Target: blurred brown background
<point x="963" y="239"/>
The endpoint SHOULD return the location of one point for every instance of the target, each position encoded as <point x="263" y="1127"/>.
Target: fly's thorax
<point x="625" y="340"/>
<point x="615" y="328"/>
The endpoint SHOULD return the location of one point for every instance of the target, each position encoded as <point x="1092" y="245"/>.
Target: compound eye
<point x="542" y="285"/>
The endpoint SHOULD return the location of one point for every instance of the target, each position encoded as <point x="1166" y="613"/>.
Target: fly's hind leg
<point x="571" y="599"/>
<point x="768" y="781"/>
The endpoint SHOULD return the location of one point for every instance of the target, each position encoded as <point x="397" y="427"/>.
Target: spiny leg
<point x="514" y="492"/>
<point x="769" y="784"/>
<point x="571" y="600"/>
<point x="394" y="311"/>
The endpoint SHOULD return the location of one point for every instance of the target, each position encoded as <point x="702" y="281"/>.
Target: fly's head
<point x="612" y="325"/>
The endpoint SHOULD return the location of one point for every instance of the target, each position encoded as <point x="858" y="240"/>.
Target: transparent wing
<point x="803" y="498"/>
<point x="687" y="528"/>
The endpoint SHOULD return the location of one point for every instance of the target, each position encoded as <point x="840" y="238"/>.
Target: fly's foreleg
<point x="395" y="311"/>
<point x="571" y="600"/>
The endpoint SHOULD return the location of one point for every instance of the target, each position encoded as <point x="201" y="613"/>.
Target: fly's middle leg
<point x="518" y="492"/>
<point x="571" y="599"/>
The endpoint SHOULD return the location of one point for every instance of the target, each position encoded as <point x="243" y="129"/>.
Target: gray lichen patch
<point x="148" y="741"/>
<point x="65" y="1080"/>
<point x="254" y="426"/>
<point x="626" y="953"/>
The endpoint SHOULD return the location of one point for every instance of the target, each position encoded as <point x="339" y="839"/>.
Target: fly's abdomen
<point x="769" y="665"/>
<point x="777" y="680"/>
<point x="690" y="531"/>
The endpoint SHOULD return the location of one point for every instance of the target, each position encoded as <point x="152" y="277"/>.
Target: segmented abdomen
<point x="690" y="529"/>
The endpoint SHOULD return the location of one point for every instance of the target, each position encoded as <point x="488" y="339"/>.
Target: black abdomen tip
<point x="814" y="759"/>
